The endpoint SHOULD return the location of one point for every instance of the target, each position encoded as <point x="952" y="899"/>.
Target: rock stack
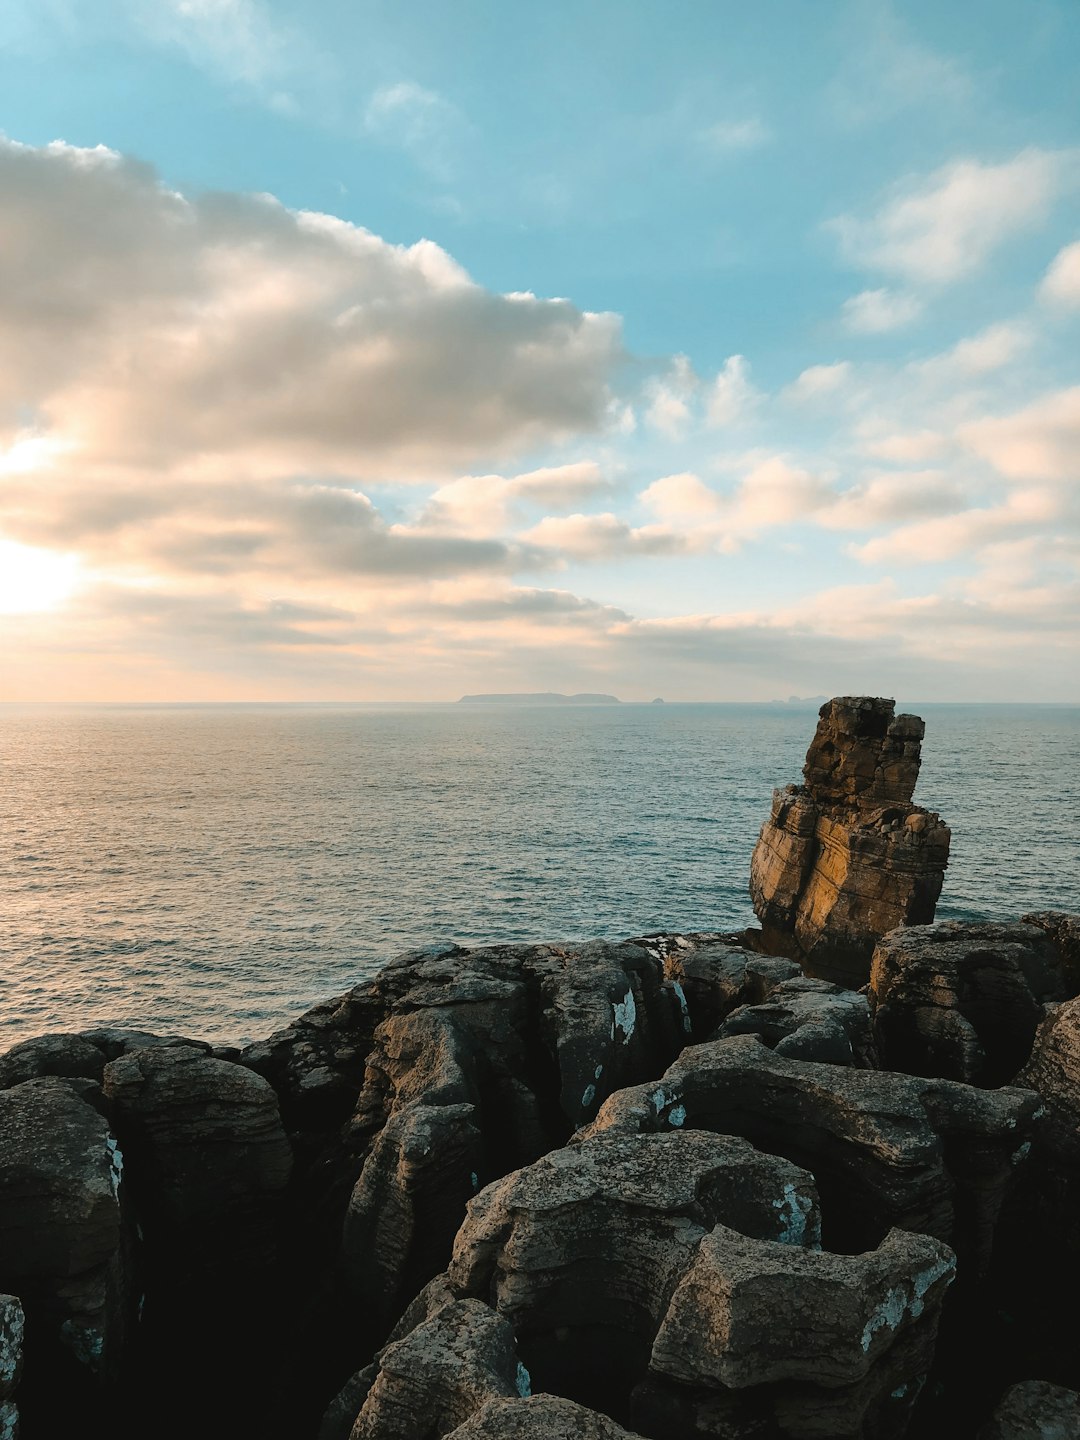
<point x="846" y="857"/>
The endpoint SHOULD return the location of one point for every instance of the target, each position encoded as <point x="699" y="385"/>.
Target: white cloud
<point x="1061" y="283"/>
<point x="418" y="120"/>
<point x="729" y="135"/>
<point x="1041" y="441"/>
<point x="874" y="312"/>
<point x="598" y="537"/>
<point x="992" y="349"/>
<point x="681" y="497"/>
<point x="819" y="380"/>
<point x="237" y="39"/>
<point x="965" y="533"/>
<point x="485" y="504"/>
<point x="944" y="227"/>
<point x="162" y="331"/>
<point x="907" y="448"/>
<point x="731" y="398"/>
<point x="671" y="397"/>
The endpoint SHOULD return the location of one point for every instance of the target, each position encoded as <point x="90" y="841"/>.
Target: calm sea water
<point x="216" y="870"/>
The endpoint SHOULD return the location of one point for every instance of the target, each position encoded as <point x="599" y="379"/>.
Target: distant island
<point x="542" y="697"/>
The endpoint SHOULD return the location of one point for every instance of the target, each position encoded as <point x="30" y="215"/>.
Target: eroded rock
<point x="539" y="1417"/>
<point x="206" y="1141"/>
<point x="1035" y="1410"/>
<point x="440" y="1374"/>
<point x="886" y="1150"/>
<point x="807" y="1019"/>
<point x="751" y="1313"/>
<point x="62" y="1241"/>
<point x="963" y="1001"/>
<point x="846" y="857"/>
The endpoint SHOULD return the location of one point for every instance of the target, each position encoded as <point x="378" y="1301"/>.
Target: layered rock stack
<point x="846" y="857"/>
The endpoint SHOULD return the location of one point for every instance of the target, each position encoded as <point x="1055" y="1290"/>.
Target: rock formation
<point x="1035" y="1410"/>
<point x="846" y="856"/>
<point x="664" y="1184"/>
<point x="964" y="1001"/>
<point x="886" y="1150"/>
<point x="62" y="1249"/>
<point x="12" y="1330"/>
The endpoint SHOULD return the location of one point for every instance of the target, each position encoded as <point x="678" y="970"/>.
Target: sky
<point x="375" y="351"/>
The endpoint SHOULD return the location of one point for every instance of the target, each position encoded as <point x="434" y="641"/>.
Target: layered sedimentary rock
<point x="539" y="1417"/>
<point x="12" y="1330"/>
<point x="673" y="1283"/>
<point x="211" y="1157"/>
<point x="582" y="1250"/>
<point x="61" y="1236"/>
<point x="846" y="856"/>
<point x="963" y="1001"/>
<point x="453" y="1067"/>
<point x="886" y="1150"/>
<point x="1035" y="1410"/>
<point x="437" y="1376"/>
<point x="807" y="1019"/>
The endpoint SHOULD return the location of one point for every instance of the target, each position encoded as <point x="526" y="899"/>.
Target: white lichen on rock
<point x="624" y="1015"/>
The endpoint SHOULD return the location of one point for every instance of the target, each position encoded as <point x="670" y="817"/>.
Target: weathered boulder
<point x="795" y="1342"/>
<point x="1035" y="1410"/>
<point x="963" y="1001"/>
<point x="437" y="1376"/>
<point x="62" y="1247"/>
<point x="807" y="1019"/>
<point x="752" y="1313"/>
<point x="209" y="1157"/>
<point x="886" y="1150"/>
<point x="846" y="857"/>
<point x="539" y="1417"/>
<point x="12" y="1330"/>
<point x="56" y="1054"/>
<point x="582" y="1250"/>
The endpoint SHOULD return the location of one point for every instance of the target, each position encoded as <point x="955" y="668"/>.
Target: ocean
<point x="215" y="870"/>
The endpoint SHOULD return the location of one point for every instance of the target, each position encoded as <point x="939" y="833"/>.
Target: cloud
<point x="600" y="537"/>
<point x="734" y="135"/>
<point x="893" y="496"/>
<point x="731" y="398"/>
<point x="818" y="380"/>
<point x="944" y="227"/>
<point x="1061" y="283"/>
<point x="944" y="538"/>
<point x="162" y="330"/>
<point x="486" y="504"/>
<point x="875" y="312"/>
<point x="671" y="398"/>
<point x="992" y="349"/>
<point x="417" y="120"/>
<point x="235" y="39"/>
<point x="1041" y="441"/>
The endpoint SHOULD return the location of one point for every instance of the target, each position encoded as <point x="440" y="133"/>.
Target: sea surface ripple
<point x="215" y="870"/>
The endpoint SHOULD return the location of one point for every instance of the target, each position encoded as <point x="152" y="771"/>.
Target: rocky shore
<point x="818" y="1180"/>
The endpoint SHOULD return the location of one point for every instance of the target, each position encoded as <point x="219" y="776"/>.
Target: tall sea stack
<point x="846" y="856"/>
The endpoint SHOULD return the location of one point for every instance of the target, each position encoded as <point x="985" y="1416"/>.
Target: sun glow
<point x="32" y="580"/>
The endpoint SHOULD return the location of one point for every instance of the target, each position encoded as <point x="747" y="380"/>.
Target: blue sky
<point x="740" y="359"/>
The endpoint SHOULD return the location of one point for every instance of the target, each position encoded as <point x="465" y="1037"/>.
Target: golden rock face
<point x="846" y="856"/>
